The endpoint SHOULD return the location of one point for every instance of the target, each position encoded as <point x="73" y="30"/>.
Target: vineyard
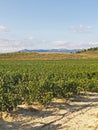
<point x="41" y="81"/>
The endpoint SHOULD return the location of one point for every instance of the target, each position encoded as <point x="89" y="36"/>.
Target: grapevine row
<point x="41" y="81"/>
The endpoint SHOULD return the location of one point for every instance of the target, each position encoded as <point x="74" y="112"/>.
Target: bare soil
<point x="79" y="113"/>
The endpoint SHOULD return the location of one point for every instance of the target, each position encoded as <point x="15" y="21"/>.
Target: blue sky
<point x="46" y="24"/>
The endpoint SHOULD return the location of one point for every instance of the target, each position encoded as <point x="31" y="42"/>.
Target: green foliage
<point x="86" y="50"/>
<point x="30" y="81"/>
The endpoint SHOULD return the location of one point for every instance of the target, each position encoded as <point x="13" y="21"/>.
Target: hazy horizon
<point x="48" y="24"/>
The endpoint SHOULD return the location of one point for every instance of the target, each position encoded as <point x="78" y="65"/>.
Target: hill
<point x="90" y="53"/>
<point x="90" y="50"/>
<point x="51" y="50"/>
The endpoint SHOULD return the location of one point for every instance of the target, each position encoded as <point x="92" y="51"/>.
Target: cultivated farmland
<point x="41" y="81"/>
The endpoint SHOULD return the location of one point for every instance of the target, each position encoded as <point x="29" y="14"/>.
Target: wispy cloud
<point x="81" y="29"/>
<point x="3" y="28"/>
<point x="8" y="45"/>
<point x="74" y="45"/>
<point x="59" y="43"/>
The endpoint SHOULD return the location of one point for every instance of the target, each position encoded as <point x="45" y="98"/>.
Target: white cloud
<point x="81" y="29"/>
<point x="7" y="45"/>
<point x="74" y="45"/>
<point x="3" y="28"/>
<point x="59" y="43"/>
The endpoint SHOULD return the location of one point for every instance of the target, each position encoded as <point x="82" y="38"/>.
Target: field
<point x="49" y="56"/>
<point x="40" y="81"/>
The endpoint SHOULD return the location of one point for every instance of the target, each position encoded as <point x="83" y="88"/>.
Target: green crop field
<point x="41" y="81"/>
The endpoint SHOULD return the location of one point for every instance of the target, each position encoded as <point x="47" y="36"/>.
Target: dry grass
<point x="47" y="56"/>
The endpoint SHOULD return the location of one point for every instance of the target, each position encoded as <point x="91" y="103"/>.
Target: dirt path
<point x="79" y="114"/>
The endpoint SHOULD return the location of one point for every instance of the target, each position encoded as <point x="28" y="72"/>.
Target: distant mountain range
<point x="51" y="50"/>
